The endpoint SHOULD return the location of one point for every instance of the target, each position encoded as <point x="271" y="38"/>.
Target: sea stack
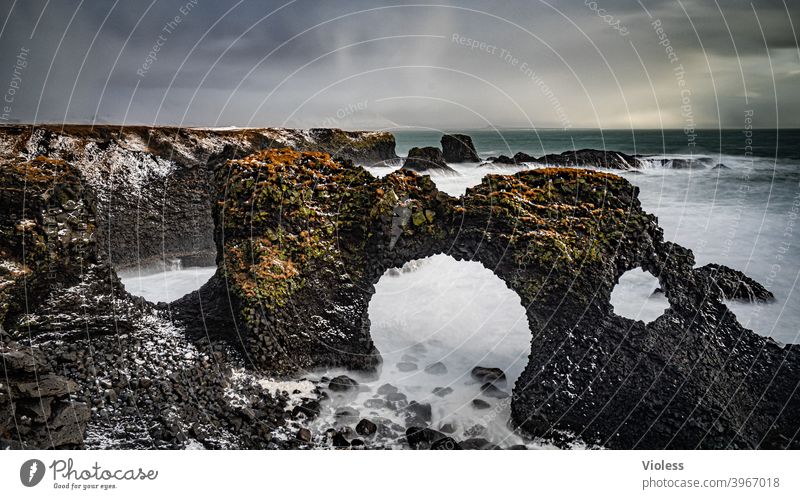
<point x="424" y="159"/>
<point x="458" y="148"/>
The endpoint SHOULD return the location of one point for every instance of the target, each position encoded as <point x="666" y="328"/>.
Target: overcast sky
<point x="388" y="64"/>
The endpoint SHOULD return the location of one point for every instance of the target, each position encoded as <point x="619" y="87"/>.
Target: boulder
<point x="488" y="374"/>
<point x="342" y="383"/>
<point x="366" y="427"/>
<point x="421" y="438"/>
<point x="491" y="390"/>
<point x="303" y="435"/>
<point x="309" y="409"/>
<point x="480" y="404"/>
<point x="418" y="412"/>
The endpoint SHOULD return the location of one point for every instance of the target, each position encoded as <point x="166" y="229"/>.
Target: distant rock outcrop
<point x="458" y="148"/>
<point x="612" y="160"/>
<point x="425" y="159"/>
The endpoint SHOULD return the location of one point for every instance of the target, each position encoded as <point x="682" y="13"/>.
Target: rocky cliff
<point x="151" y="183"/>
<point x="299" y="240"/>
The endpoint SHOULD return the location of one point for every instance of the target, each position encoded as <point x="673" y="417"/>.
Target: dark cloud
<point x="383" y="64"/>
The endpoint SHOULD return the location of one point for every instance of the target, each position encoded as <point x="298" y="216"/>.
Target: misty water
<point x="460" y="314"/>
<point x="165" y="285"/>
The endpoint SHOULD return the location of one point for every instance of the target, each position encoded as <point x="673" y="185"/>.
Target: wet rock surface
<point x="560" y="238"/>
<point x="458" y="148"/>
<point x="151" y="184"/>
<point x="425" y="159"/>
<point x="734" y="285"/>
<point x="38" y="409"/>
<point x="612" y="160"/>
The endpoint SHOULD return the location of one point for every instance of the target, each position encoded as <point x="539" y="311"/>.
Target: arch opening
<point x="434" y="321"/>
<point x="167" y="282"/>
<point x="638" y="296"/>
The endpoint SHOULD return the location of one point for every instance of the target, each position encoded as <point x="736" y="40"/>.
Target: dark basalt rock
<point x="480" y="404"/>
<point x="420" y="438"/>
<point x="109" y="369"/>
<point x="502" y="160"/>
<point x="490" y="390"/>
<point x="734" y="285"/>
<point x="342" y="383"/>
<point x="339" y="441"/>
<point x="298" y="258"/>
<point x="445" y="443"/>
<point x="521" y="157"/>
<point x="36" y="410"/>
<point x="477" y="444"/>
<point x="418" y="412"/>
<point x="151" y="184"/>
<point x="426" y="159"/>
<point x="560" y="238"/>
<point x="683" y="163"/>
<point x="309" y="409"/>
<point x="488" y="374"/>
<point x="613" y="160"/>
<point x="458" y="148"/>
<point x="362" y="148"/>
<point x="447" y="428"/>
<point x="303" y="435"/>
<point x="366" y="427"/>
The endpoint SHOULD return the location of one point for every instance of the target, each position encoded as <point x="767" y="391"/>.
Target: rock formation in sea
<point x="299" y="240"/>
<point x="612" y="160"/>
<point x="560" y="238"/>
<point x="458" y="148"/>
<point x="425" y="159"/>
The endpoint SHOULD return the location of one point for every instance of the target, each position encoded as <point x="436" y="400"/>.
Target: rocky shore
<point x="299" y="239"/>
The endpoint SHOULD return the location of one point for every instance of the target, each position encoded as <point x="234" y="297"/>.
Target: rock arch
<point x="301" y="240"/>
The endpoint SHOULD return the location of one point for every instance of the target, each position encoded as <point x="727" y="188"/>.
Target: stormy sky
<point x="393" y="64"/>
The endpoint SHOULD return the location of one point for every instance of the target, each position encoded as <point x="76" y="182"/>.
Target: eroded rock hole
<point x="165" y="282"/>
<point x="434" y="322"/>
<point x="638" y="296"/>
